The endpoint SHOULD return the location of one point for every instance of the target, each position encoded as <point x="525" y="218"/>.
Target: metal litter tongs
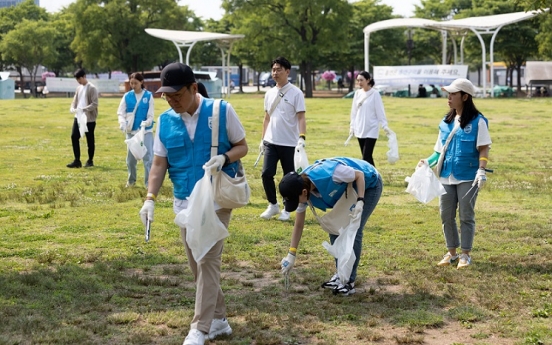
<point x="476" y="187"/>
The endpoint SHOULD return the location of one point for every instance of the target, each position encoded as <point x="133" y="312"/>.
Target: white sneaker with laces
<point x="465" y="261"/>
<point x="284" y="215"/>
<point x="195" y="337"/>
<point x="219" y="327"/>
<point x="333" y="283"/>
<point x="271" y="211"/>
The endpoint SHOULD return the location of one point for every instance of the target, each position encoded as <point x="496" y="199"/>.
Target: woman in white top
<point x="140" y="102"/>
<point x="367" y="114"/>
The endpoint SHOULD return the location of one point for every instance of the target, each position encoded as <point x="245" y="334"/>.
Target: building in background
<point x="9" y="3"/>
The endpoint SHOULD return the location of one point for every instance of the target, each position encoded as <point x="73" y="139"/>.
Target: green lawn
<point x="75" y="268"/>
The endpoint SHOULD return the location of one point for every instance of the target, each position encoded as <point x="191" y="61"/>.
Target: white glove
<point x="421" y="163"/>
<point x="351" y="131"/>
<point x="144" y="124"/>
<point x="146" y="213"/>
<point x="387" y="130"/>
<point x="122" y="127"/>
<point x="261" y="147"/>
<point x="72" y="110"/>
<point x="300" y="143"/>
<point x="287" y="263"/>
<point x="215" y="164"/>
<point x="357" y="211"/>
<point x="480" y="178"/>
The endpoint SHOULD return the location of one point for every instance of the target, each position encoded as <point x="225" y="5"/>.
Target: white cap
<point x="460" y="84"/>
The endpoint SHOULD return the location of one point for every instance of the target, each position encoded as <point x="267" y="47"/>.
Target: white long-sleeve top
<point x="365" y="120"/>
<point x="121" y="111"/>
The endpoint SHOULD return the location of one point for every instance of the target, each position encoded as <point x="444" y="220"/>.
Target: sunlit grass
<point x="76" y="270"/>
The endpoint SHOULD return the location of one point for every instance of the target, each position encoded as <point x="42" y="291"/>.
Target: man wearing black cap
<point x="322" y="185"/>
<point x="182" y="147"/>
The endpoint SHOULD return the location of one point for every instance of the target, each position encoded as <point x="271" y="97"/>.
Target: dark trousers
<point x="75" y="136"/>
<point x="273" y="154"/>
<point x="367" y="149"/>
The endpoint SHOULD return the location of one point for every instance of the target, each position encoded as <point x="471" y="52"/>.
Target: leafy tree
<point x="386" y="47"/>
<point x="29" y="45"/>
<point x="110" y="34"/>
<point x="9" y="18"/>
<point x="300" y="30"/>
<point x="64" y="33"/>
<point x="534" y="4"/>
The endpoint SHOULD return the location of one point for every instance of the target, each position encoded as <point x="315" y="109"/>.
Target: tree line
<point x="108" y="35"/>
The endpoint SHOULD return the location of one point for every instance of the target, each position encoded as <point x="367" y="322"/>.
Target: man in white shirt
<point x="182" y="147"/>
<point x="85" y="100"/>
<point x="284" y="128"/>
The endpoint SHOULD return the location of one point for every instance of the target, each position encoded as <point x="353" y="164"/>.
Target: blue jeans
<point x="148" y="159"/>
<point x="448" y="203"/>
<point x="371" y="199"/>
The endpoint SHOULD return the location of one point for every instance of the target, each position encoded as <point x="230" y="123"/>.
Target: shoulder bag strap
<point x="279" y="97"/>
<point x="138" y="103"/>
<point x="445" y="147"/>
<point x="215" y="128"/>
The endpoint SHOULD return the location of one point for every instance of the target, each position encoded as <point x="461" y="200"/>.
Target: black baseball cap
<point x="291" y="187"/>
<point x="175" y="76"/>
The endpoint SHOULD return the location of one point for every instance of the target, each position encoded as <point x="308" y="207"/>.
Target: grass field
<point x="75" y="268"/>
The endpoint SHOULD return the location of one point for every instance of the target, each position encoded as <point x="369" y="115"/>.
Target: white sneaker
<point x="271" y="211"/>
<point x="195" y="337"/>
<point x="219" y="327"/>
<point x="284" y="215"/>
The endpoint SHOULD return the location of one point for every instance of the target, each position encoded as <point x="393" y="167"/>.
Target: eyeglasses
<point x="175" y="97"/>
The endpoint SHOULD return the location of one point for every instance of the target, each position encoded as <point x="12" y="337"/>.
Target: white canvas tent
<point x="478" y="25"/>
<point x="189" y="38"/>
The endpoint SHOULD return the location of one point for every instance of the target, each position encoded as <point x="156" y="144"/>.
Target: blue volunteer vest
<point x="321" y="172"/>
<point x="462" y="158"/>
<point x="186" y="158"/>
<point x="142" y="111"/>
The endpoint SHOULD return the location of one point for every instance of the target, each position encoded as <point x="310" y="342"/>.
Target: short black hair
<point x="282" y="61"/>
<point x="79" y="73"/>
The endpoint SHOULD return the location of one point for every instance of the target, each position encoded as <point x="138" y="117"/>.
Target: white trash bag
<point x="424" y="185"/>
<point x="203" y="227"/>
<point x="81" y="121"/>
<point x="136" y="144"/>
<point x="300" y="159"/>
<point x="393" y="153"/>
<point x="342" y="249"/>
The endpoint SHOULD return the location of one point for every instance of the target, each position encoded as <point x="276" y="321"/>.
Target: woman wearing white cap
<point x="460" y="157"/>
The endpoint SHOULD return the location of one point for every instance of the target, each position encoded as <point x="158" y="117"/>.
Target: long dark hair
<point x="367" y="76"/>
<point x="469" y="112"/>
<point x="139" y="77"/>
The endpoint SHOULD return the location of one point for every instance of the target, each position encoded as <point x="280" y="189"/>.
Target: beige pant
<point x="209" y="303"/>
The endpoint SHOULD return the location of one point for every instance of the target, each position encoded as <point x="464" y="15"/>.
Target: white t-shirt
<point x="366" y="119"/>
<point x="83" y="102"/>
<point x="283" y="127"/>
<point x="483" y="139"/>
<point x="342" y="174"/>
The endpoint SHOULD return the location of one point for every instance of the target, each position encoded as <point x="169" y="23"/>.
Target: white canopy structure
<point x="189" y="38"/>
<point x="538" y="72"/>
<point x="478" y="25"/>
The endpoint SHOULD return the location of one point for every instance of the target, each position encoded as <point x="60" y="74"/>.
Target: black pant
<point x="367" y="148"/>
<point x="273" y="154"/>
<point x="75" y="136"/>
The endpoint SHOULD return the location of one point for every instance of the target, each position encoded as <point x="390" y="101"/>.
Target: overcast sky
<point x="211" y="8"/>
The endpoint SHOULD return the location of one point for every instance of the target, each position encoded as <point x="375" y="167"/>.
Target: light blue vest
<point x="186" y="158"/>
<point x="462" y="157"/>
<point x="321" y="172"/>
<point x="142" y="111"/>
